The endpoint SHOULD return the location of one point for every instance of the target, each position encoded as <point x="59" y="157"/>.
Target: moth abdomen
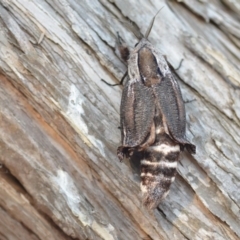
<point x="158" y="171"/>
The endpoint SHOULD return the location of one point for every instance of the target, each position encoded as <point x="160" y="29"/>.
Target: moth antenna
<point x="151" y="24"/>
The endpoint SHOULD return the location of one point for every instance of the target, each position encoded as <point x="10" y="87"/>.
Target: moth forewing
<point x="137" y="112"/>
<point x="169" y="98"/>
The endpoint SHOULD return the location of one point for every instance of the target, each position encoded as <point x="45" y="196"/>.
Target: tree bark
<point x="60" y="177"/>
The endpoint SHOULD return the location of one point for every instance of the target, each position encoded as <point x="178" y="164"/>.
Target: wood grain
<point x="60" y="177"/>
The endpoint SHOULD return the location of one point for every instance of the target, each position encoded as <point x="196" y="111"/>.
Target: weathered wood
<point x="60" y="177"/>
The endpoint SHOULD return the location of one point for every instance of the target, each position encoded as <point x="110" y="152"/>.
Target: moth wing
<point x="137" y="112"/>
<point x="170" y="100"/>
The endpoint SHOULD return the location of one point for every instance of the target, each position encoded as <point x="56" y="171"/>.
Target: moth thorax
<point x="148" y="67"/>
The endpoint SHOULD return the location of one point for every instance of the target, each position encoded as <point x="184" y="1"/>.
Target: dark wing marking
<point x="137" y="113"/>
<point x="169" y="98"/>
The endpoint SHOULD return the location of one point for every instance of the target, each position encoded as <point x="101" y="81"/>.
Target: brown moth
<point x="152" y="117"/>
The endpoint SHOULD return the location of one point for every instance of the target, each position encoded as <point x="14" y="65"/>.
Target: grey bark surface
<point x="60" y="177"/>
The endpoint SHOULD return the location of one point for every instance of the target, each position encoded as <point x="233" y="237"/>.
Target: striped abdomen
<point x="158" y="167"/>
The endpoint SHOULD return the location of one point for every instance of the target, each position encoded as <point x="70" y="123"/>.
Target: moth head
<point x="141" y="43"/>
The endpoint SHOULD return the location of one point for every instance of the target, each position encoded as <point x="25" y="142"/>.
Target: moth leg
<point x="179" y="65"/>
<point x="123" y="51"/>
<point x="116" y="84"/>
<point x="124" y="152"/>
<point x="189" y="101"/>
<point x="120" y="153"/>
<point x="185" y="144"/>
<point x="123" y="77"/>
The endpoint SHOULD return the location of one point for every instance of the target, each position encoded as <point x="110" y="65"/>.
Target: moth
<point x="152" y="118"/>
